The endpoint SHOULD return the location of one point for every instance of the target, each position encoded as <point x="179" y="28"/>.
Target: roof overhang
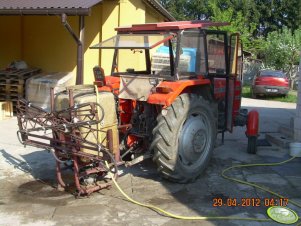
<point x="42" y="7"/>
<point x="47" y="12"/>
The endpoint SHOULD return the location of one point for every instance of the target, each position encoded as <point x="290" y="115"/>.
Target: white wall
<point x="297" y="120"/>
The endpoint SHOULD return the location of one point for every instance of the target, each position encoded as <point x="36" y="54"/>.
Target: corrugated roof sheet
<point x="70" y="7"/>
<point x="40" y="4"/>
<point x="73" y="7"/>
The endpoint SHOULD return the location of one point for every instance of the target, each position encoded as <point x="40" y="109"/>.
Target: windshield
<point x="134" y="41"/>
<point x="278" y="74"/>
<point x="147" y="54"/>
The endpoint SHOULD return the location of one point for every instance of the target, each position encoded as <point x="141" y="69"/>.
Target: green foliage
<point x="270" y="29"/>
<point x="178" y="8"/>
<point x="239" y="22"/>
<point x="254" y="19"/>
<point x="282" y="49"/>
<point x="246" y="92"/>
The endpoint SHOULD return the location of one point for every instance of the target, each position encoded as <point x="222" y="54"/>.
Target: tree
<point x="258" y="22"/>
<point x="239" y="22"/>
<point x="178" y="8"/>
<point x="267" y="15"/>
<point x="282" y="51"/>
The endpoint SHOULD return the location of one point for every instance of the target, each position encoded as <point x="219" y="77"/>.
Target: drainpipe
<point x="80" y="43"/>
<point x="80" y="52"/>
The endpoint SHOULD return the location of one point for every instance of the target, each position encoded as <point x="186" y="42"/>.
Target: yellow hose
<point x="256" y="185"/>
<point x="166" y="213"/>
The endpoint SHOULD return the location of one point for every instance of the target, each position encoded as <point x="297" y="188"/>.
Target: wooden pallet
<point x="19" y="74"/>
<point x="12" y="89"/>
<point x="10" y="97"/>
<point x="12" y="81"/>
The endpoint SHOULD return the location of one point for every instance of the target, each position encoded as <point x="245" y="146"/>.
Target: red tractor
<point x="172" y="88"/>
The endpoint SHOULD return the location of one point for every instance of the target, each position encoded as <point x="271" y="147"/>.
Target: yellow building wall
<point x="92" y="37"/>
<point x="10" y="40"/>
<point x="151" y="16"/>
<point x="110" y="20"/>
<point x="122" y="13"/>
<point x="131" y="12"/>
<point x="47" y="45"/>
<point x="43" y="42"/>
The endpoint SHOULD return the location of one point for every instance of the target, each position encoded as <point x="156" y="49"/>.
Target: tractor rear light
<point x="163" y="89"/>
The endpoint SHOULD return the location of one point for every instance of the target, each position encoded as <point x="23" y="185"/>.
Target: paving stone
<point x="271" y="152"/>
<point x="294" y="180"/>
<point x="266" y="178"/>
<point x="279" y="139"/>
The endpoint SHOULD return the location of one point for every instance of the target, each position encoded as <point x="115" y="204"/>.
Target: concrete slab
<point x="288" y="131"/>
<point x="294" y="180"/>
<point x="267" y="179"/>
<point x="272" y="151"/>
<point x="25" y="200"/>
<point x="279" y="139"/>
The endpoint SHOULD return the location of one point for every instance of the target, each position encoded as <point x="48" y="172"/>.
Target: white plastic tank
<point x="38" y="87"/>
<point x="295" y="149"/>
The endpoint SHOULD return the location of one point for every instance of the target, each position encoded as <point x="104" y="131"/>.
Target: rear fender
<point x="174" y="89"/>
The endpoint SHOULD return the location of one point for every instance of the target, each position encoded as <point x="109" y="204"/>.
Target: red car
<point x="270" y="83"/>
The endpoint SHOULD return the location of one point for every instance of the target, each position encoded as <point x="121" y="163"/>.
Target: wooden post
<point x="6" y="109"/>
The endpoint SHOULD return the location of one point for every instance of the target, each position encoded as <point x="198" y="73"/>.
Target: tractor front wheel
<point x="184" y="138"/>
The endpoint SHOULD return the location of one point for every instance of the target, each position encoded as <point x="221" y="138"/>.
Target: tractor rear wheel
<point x="184" y="138"/>
<point x="252" y="148"/>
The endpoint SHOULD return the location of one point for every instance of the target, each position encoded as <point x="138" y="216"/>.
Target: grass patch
<point x="291" y="97"/>
<point x="246" y="91"/>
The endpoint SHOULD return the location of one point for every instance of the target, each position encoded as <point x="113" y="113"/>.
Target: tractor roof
<point x="174" y="26"/>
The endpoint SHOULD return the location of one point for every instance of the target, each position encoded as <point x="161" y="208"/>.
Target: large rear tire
<point x="184" y="138"/>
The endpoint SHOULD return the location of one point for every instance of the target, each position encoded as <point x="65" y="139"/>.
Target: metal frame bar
<point x="178" y="53"/>
<point x="80" y="45"/>
<point x="67" y="140"/>
<point x="215" y="75"/>
<point x="171" y="59"/>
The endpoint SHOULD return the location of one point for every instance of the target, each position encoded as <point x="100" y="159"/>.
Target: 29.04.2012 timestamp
<point x="249" y="202"/>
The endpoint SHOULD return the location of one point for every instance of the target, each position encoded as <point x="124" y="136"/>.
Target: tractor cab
<point x="163" y="58"/>
<point x="171" y="50"/>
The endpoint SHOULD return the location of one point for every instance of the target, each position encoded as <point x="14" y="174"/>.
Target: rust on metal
<point x="64" y="137"/>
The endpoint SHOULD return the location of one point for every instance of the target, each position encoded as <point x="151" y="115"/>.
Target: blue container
<point x="186" y="51"/>
<point x="192" y="53"/>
